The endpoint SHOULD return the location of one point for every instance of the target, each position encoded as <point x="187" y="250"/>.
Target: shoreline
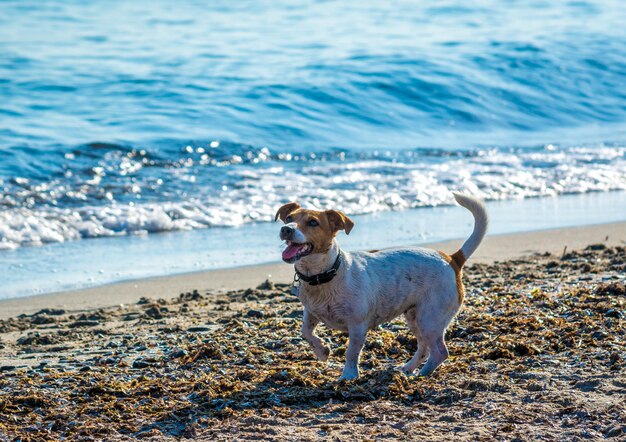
<point x="494" y="248"/>
<point x="77" y="265"/>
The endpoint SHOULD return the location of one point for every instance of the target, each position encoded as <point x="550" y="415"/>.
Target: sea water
<point x="122" y="120"/>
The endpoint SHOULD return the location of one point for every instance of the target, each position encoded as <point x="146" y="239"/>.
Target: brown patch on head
<point x="285" y="210"/>
<point x="339" y="221"/>
<point x="456" y="261"/>
<point x="319" y="228"/>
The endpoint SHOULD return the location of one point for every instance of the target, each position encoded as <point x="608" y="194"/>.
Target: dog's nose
<point x="286" y="232"/>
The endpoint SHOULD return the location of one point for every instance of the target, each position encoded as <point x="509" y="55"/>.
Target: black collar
<point x="322" y="278"/>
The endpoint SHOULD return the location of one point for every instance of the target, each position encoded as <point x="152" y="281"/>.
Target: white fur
<point x="297" y="236"/>
<point x="481" y="222"/>
<point x="373" y="288"/>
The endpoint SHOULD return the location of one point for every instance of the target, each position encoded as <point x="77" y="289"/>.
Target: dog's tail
<point x="481" y="221"/>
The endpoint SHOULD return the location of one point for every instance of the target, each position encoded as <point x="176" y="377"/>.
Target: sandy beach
<point x="494" y="248"/>
<point x="536" y="353"/>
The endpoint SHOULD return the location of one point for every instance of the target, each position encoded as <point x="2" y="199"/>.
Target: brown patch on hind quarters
<point x="459" y="258"/>
<point x="456" y="261"/>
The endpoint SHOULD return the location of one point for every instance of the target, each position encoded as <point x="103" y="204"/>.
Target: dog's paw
<point x="408" y="369"/>
<point x="425" y="372"/>
<point x="322" y="353"/>
<point x="348" y="375"/>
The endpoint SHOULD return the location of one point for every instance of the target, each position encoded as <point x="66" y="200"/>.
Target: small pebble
<point x="255" y="314"/>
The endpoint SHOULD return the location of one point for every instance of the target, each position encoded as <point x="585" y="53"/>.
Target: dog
<point x="357" y="291"/>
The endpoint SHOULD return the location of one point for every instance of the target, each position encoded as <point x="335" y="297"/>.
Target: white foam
<point x="356" y="186"/>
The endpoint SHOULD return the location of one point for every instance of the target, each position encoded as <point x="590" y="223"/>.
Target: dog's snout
<point x="286" y="231"/>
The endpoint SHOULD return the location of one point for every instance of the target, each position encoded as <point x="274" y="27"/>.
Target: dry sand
<point x="537" y="353"/>
<point x="494" y="248"/>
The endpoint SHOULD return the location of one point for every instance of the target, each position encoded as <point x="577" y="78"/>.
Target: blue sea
<point x="120" y="121"/>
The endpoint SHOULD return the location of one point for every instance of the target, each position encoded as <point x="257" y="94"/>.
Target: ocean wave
<point x="319" y="101"/>
<point x="396" y="74"/>
<point x="132" y="193"/>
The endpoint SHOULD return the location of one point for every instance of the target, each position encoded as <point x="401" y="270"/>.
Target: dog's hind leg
<point x="433" y="318"/>
<point x="438" y="354"/>
<point x="422" y="349"/>
<point x="416" y="360"/>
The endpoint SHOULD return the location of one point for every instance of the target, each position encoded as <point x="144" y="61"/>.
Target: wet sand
<point x="494" y="248"/>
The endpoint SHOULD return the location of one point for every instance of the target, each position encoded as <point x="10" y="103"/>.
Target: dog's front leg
<point x="357" y="334"/>
<point x="308" y="326"/>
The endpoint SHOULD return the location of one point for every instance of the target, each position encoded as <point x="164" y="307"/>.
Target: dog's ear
<point x="339" y="221"/>
<point x="286" y="210"/>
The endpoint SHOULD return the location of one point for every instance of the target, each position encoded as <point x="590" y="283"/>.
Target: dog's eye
<point x="313" y="223"/>
<point x="288" y="219"/>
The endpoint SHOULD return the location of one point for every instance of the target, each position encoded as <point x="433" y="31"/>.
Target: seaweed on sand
<point x="537" y="350"/>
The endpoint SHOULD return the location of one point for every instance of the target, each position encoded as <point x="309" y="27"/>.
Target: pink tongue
<point x="291" y="251"/>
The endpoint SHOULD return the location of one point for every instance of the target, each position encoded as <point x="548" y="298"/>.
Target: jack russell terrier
<point x="355" y="292"/>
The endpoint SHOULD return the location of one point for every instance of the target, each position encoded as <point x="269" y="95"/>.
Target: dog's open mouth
<point x="295" y="251"/>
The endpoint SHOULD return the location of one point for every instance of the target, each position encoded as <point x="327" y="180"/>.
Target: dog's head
<point x="309" y="231"/>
